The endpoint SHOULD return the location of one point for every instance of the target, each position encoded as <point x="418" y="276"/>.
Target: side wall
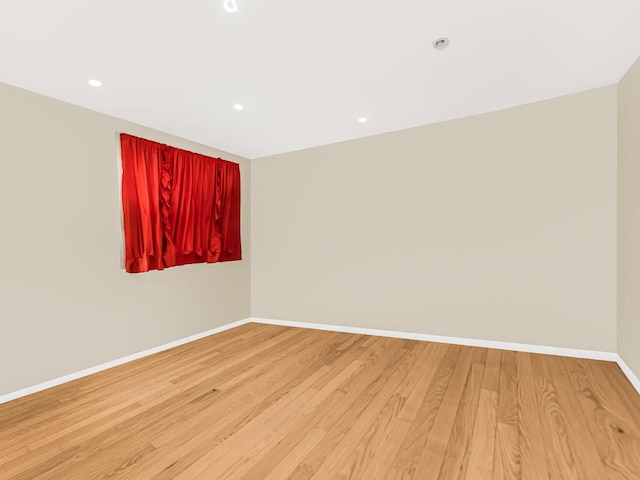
<point x="498" y="227"/>
<point x="629" y="218"/>
<point x="65" y="302"/>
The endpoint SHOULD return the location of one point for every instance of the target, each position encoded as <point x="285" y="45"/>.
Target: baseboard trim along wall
<point x="114" y="363"/>
<point x="519" y="347"/>
<point x="635" y="381"/>
<point x="470" y="342"/>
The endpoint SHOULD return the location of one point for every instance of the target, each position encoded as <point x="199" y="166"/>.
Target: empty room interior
<point x="288" y="240"/>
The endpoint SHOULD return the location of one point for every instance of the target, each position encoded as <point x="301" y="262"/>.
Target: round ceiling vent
<point x="441" y="43"/>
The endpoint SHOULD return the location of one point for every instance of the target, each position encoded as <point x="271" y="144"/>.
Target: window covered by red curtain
<point x="179" y="207"/>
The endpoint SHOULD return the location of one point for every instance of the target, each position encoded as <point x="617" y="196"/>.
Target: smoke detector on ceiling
<point x="441" y="43"/>
<point x="230" y="6"/>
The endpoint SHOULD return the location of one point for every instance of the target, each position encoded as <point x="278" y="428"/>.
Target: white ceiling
<point x="307" y="70"/>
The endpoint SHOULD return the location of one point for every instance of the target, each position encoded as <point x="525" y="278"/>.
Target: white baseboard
<point x="635" y="381"/>
<point x="518" y="347"/>
<point x="114" y="363"/>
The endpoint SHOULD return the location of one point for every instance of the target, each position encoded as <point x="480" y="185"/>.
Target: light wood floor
<point x="262" y="402"/>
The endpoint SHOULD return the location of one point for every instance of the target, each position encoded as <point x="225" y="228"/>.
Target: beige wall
<point x="65" y="302"/>
<point x="629" y="218"/>
<point x="500" y="226"/>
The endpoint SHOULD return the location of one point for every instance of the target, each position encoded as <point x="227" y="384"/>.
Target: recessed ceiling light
<point x="95" y="83"/>
<point x="230" y="6"/>
<point x="238" y="107"/>
<point x="362" y="120"/>
<point x="441" y="43"/>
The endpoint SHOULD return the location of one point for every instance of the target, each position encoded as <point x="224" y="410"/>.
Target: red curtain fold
<point x="179" y="207"/>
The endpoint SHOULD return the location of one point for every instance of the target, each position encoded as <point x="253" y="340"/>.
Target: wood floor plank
<point x="617" y="393"/>
<point x="294" y="458"/>
<point x="306" y="411"/>
<point x="483" y="437"/>
<point x="346" y="405"/>
<point x="590" y="464"/>
<point x="432" y="457"/>
<point x="179" y="447"/>
<point x="367" y="446"/>
<point x="507" y="454"/>
<point x="353" y="438"/>
<point x="436" y="381"/>
<point x="230" y="429"/>
<point x="264" y="402"/>
<point x="614" y="438"/>
<point x="456" y="456"/>
<point x="534" y="465"/>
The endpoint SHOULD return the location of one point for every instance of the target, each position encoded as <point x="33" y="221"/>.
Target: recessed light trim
<point x="230" y="6"/>
<point x="95" y="83"/>
<point x="441" y="43"/>
<point x="363" y="120"/>
<point x="238" y="107"/>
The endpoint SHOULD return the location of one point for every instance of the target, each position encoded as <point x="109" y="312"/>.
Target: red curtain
<point x="179" y="207"/>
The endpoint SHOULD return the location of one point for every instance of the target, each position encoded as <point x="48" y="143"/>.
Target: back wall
<point x="500" y="226"/>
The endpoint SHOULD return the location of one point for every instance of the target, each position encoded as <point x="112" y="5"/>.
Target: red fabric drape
<point x="179" y="207"/>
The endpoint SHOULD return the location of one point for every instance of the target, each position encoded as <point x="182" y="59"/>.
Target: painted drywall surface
<point x="498" y="227"/>
<point x="65" y="302"/>
<point x="629" y="218"/>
